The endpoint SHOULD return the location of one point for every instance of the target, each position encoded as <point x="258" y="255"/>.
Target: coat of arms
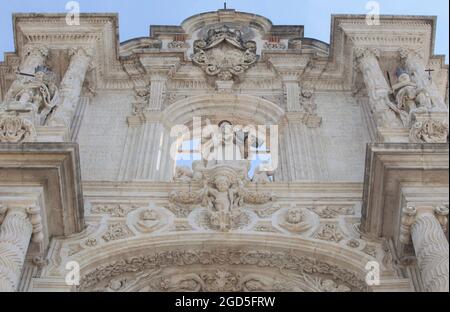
<point x="224" y="54"/>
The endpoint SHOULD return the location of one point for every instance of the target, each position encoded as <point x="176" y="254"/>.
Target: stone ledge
<point x="56" y="168"/>
<point x="389" y="167"/>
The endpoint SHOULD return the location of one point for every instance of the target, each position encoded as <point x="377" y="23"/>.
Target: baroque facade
<point x="354" y="195"/>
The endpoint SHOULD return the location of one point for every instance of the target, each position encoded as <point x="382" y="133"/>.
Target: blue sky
<point x="136" y="15"/>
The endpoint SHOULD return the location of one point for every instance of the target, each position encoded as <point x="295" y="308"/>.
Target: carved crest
<point x="224" y="54"/>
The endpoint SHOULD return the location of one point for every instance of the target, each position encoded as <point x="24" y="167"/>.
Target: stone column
<point x="415" y="65"/>
<point x="19" y="224"/>
<point x="378" y="90"/>
<point x="430" y="246"/>
<point x="71" y="86"/>
<point x="35" y="56"/>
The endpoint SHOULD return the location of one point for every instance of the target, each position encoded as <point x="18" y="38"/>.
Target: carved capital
<point x="33" y="213"/>
<point x="36" y="50"/>
<point x="81" y="51"/>
<point x="364" y="52"/>
<point x="441" y="214"/>
<point x="408" y="218"/>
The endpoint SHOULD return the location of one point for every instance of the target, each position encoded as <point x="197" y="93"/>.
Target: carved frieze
<point x="151" y="265"/>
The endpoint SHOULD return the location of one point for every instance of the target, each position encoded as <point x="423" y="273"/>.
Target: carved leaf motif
<point x="223" y="256"/>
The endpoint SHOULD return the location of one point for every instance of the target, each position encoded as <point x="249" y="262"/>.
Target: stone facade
<point x="354" y="196"/>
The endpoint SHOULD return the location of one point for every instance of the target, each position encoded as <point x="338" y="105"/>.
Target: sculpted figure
<point x="223" y="199"/>
<point x="295" y="221"/>
<point x="38" y="94"/>
<point x="409" y="98"/>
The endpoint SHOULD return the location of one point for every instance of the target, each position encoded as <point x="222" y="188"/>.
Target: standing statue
<point x="227" y="143"/>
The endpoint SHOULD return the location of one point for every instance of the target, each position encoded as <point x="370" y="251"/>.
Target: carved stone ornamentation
<point x="149" y="266"/>
<point x="114" y="210"/>
<point x="309" y="106"/>
<point x="36" y="95"/>
<point x="177" y="45"/>
<point x="275" y="46"/>
<point x="224" y="54"/>
<point x="429" y="131"/>
<point x="148" y="219"/>
<point x="116" y="231"/>
<point x="142" y="98"/>
<point x="330" y="212"/>
<point x="15" y="129"/>
<point x="330" y="232"/>
<point x="223" y="195"/>
<point x="295" y="220"/>
<point x="409" y="98"/>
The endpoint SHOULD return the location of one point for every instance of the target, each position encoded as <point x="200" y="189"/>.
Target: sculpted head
<point x="294" y="216"/>
<point x="404" y="77"/>
<point x="222" y="183"/>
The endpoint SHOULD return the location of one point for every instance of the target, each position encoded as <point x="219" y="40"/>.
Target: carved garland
<point x="178" y="258"/>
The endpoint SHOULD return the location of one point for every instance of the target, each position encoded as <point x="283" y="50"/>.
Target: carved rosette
<point x="14" y="129"/>
<point x="223" y="53"/>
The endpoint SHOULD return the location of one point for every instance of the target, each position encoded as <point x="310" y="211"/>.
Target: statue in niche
<point x="227" y="143"/>
<point x="409" y="98"/>
<point x="38" y="94"/>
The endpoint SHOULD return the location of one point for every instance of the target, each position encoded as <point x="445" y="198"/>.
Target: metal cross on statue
<point x="429" y="71"/>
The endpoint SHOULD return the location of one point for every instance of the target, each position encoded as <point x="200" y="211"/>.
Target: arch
<point x="215" y="251"/>
<point x="237" y="107"/>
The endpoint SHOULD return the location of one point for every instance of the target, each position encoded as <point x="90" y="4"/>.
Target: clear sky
<point x="136" y="15"/>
